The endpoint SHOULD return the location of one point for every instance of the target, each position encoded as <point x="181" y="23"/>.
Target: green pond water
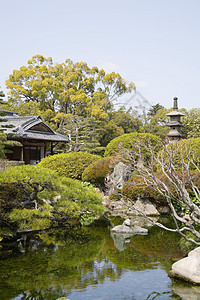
<point x="91" y="263"/>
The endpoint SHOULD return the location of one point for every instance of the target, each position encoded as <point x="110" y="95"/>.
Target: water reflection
<point x="85" y="264"/>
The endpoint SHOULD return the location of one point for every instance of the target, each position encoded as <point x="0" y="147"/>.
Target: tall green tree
<point x="153" y="110"/>
<point x="83" y="133"/>
<point x="126" y="120"/>
<point x="67" y="87"/>
<point x="157" y="121"/>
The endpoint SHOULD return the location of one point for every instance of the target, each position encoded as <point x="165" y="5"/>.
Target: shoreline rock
<point x="188" y="268"/>
<point x="131" y="230"/>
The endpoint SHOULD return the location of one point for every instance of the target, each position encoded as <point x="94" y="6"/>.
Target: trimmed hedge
<point x="130" y="141"/>
<point x="98" y="170"/>
<point x="69" y="164"/>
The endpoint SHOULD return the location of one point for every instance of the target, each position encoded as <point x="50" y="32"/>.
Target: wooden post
<point x="22" y="153"/>
<point x="45" y="149"/>
<point x="51" y="148"/>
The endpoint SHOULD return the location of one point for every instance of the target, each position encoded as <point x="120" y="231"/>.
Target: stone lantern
<point x="175" y="123"/>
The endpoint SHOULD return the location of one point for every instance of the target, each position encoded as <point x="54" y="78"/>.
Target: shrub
<point x="98" y="170"/>
<point x="131" y="141"/>
<point x="32" y="197"/>
<point x="136" y="187"/>
<point x="69" y="164"/>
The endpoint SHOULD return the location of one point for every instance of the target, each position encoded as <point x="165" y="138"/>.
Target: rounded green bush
<point x="56" y="198"/>
<point x="69" y="164"/>
<point x="98" y="170"/>
<point x="131" y="141"/>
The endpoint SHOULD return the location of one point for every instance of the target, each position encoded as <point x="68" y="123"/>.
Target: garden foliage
<point x="132" y="142"/>
<point x="98" y="170"/>
<point x="137" y="186"/>
<point x="32" y="197"/>
<point x="69" y="164"/>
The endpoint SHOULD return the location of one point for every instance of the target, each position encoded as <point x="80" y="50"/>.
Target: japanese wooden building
<point x="30" y="136"/>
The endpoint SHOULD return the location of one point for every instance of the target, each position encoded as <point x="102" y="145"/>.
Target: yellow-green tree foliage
<point x="67" y="87"/>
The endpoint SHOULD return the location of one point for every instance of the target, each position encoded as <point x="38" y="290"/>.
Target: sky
<point x="153" y="43"/>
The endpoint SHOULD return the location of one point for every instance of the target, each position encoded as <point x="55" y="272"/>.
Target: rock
<point x="188" y="268"/>
<point x="129" y="230"/>
<point x="164" y="210"/>
<point x="120" y="175"/>
<point x="127" y="222"/>
<point x="188" y="219"/>
<point x="140" y="221"/>
<point x="146" y="207"/>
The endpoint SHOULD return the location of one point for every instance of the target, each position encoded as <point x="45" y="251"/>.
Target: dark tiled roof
<point x="21" y="128"/>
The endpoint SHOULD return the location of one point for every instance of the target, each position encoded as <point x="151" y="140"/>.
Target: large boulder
<point x="129" y="229"/>
<point x="140" y="221"/>
<point x="188" y="268"/>
<point x="119" y="176"/>
<point x="146" y="207"/>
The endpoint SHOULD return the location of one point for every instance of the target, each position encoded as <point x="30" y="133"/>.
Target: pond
<point x="90" y="263"/>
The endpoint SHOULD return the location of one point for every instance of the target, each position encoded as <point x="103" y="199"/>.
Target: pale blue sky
<point x="154" y="43"/>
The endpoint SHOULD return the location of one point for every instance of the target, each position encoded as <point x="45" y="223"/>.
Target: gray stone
<point x="164" y="210"/>
<point x="120" y="175"/>
<point x="142" y="221"/>
<point x="188" y="268"/>
<point x="146" y="207"/>
<point x="127" y="222"/>
<point x="129" y="230"/>
<point x="188" y="219"/>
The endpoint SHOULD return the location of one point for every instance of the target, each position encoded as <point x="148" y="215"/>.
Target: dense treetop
<point x="67" y="87"/>
<point x="79" y="101"/>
